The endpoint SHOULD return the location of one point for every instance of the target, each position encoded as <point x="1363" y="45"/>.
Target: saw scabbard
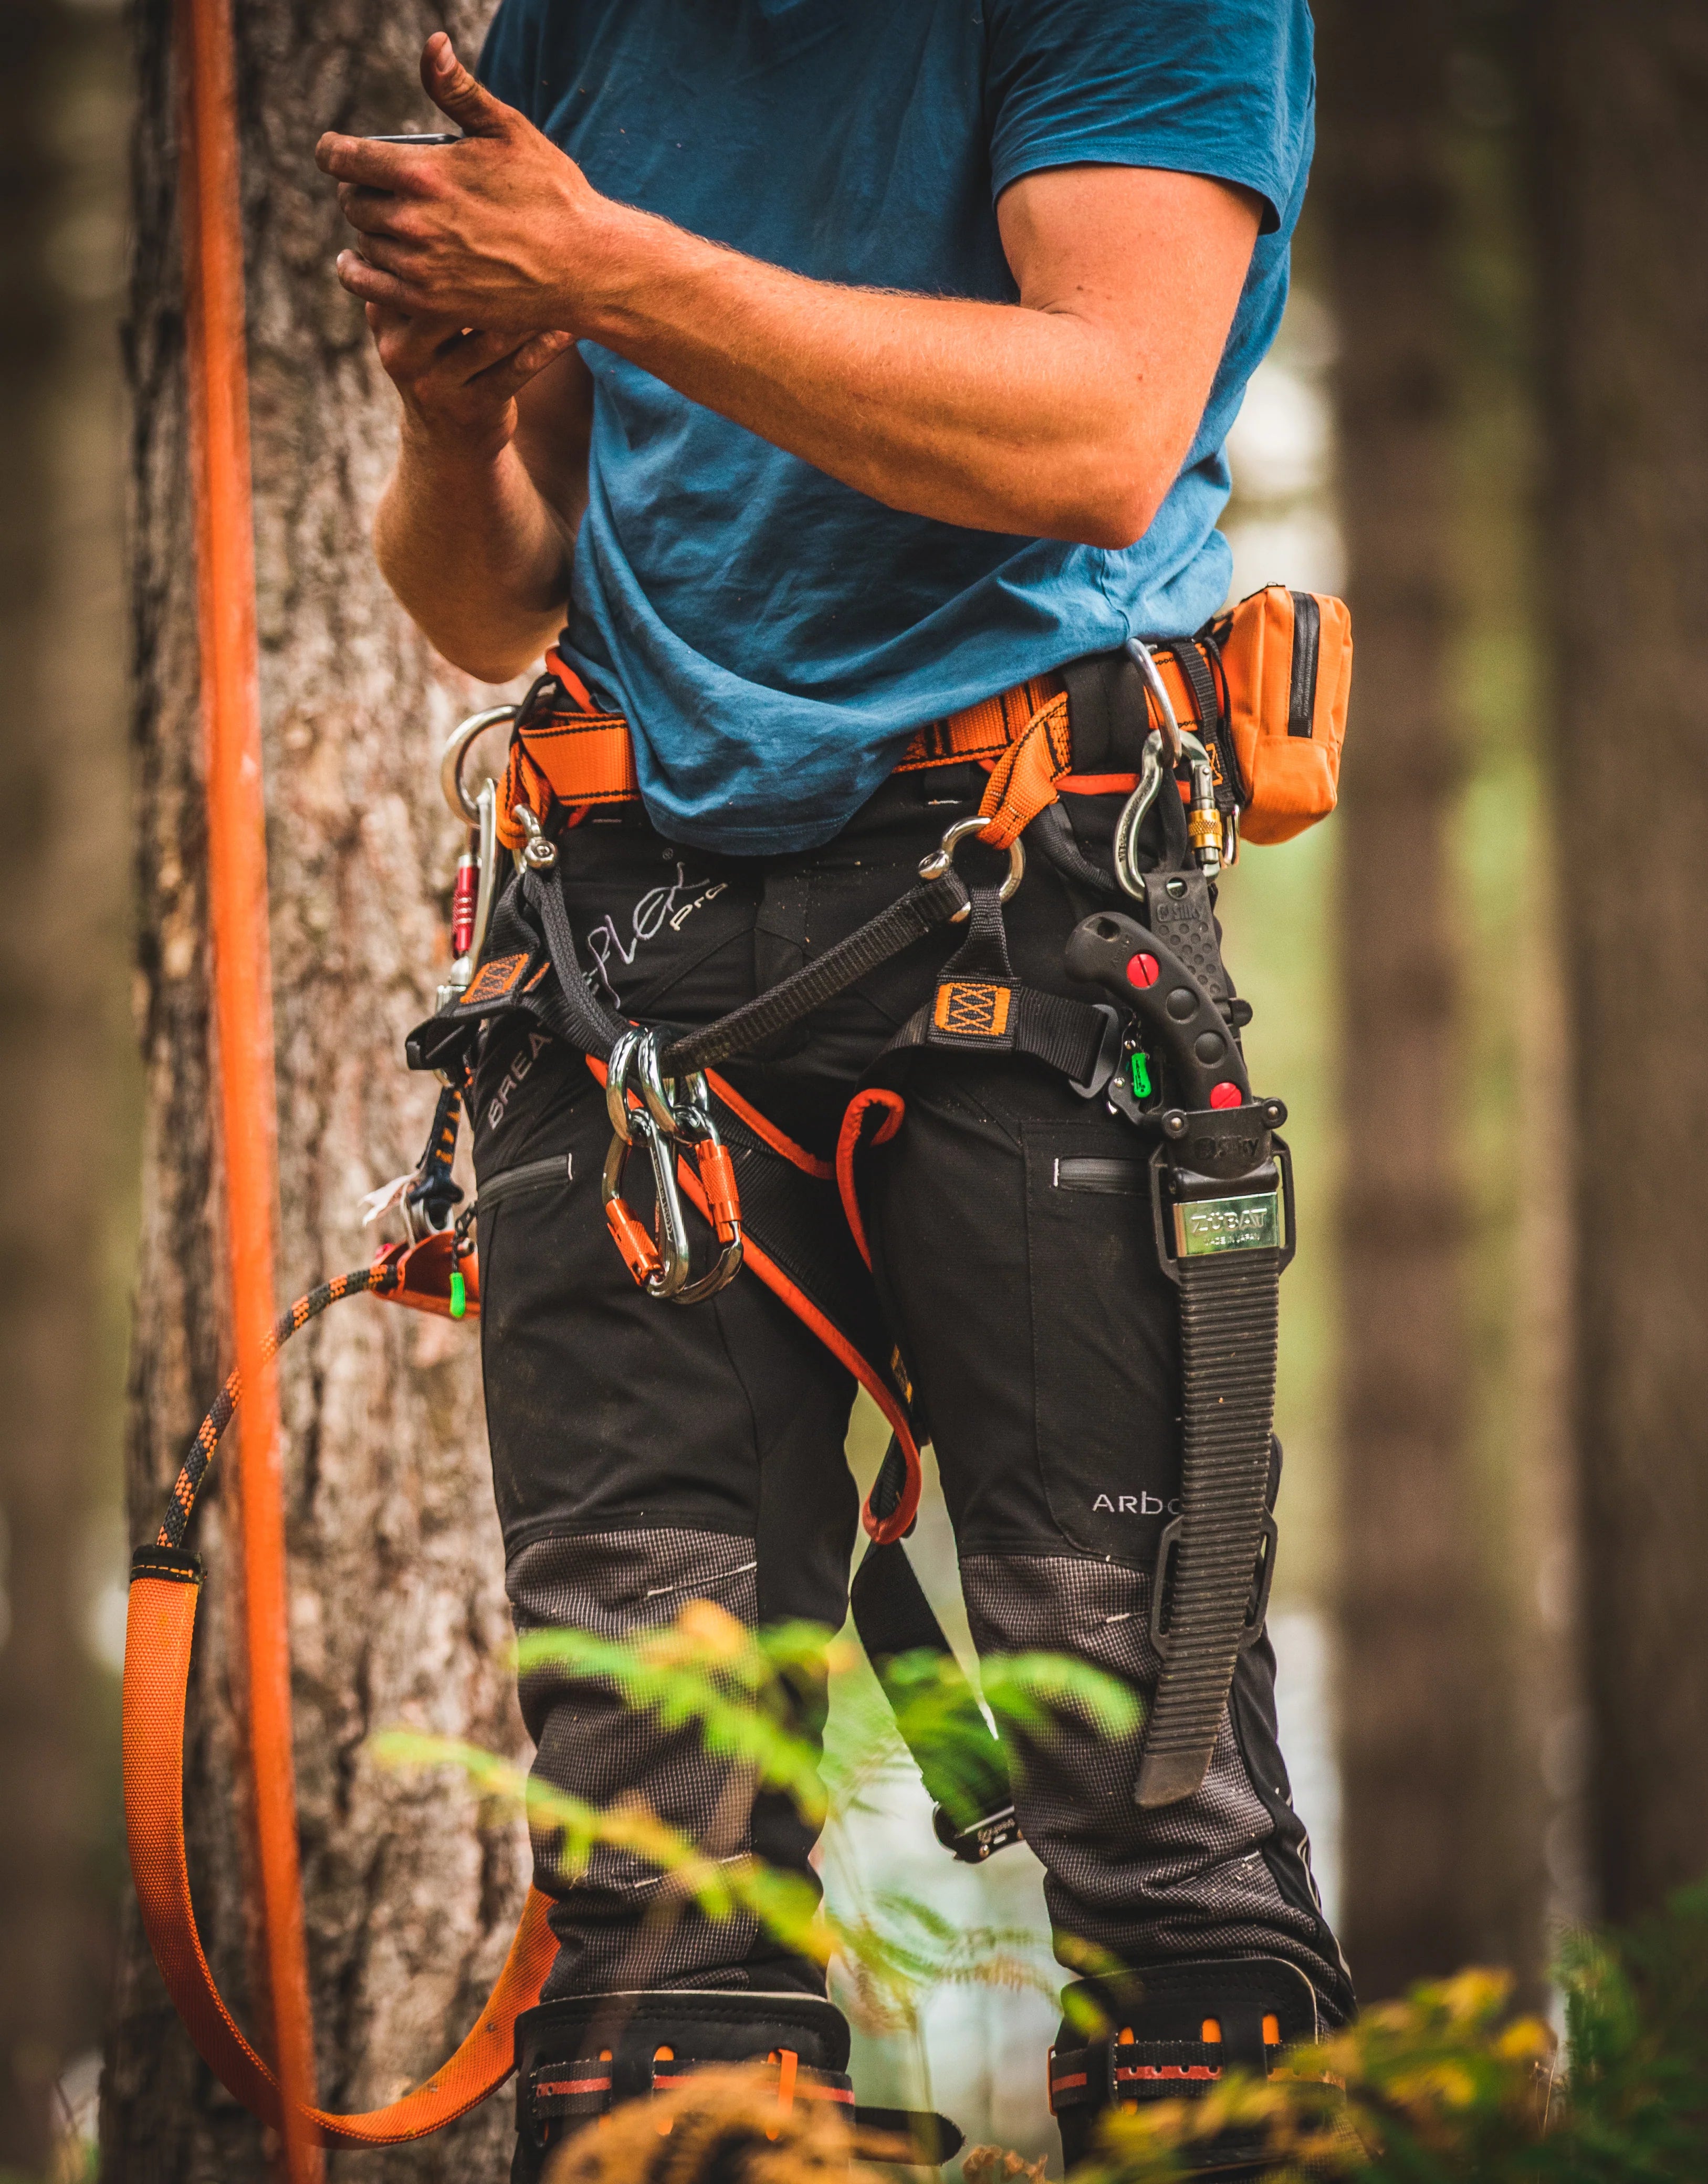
<point x="1221" y="1201"/>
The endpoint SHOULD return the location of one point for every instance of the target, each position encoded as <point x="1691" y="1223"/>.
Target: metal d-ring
<point x="461" y="740"/>
<point x="942" y="859"/>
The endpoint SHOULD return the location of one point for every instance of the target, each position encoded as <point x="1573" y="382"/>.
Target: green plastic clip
<point x="1142" y="1073"/>
<point x="458" y="1294"/>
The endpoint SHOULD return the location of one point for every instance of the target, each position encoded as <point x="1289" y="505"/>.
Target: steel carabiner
<point x="691" y="1126"/>
<point x="662" y="1262"/>
<point x="659" y="1262"/>
<point x="1203" y="821"/>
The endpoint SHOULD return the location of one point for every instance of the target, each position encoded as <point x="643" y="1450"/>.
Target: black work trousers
<point x="645" y="1455"/>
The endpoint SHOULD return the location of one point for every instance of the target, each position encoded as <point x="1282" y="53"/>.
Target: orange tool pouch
<point x="1264" y="687"/>
<point x="1286" y="663"/>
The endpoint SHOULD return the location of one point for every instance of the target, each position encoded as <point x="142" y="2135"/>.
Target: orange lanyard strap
<point x="165" y="1583"/>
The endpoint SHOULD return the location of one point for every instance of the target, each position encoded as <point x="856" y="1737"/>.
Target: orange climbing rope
<point x="431" y="1275"/>
<point x="242" y="997"/>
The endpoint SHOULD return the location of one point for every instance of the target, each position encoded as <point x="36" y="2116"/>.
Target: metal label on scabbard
<point x="1250" y="1223"/>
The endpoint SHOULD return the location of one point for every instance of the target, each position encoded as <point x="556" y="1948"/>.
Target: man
<point x="836" y="364"/>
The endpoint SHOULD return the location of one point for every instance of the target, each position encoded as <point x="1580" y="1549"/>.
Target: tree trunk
<point x="398" y="1607"/>
<point x="61" y="1024"/>
<point x="1408" y="1715"/>
<point x="1621" y="177"/>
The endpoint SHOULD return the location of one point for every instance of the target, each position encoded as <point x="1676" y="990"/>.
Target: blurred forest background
<point x="1481" y="989"/>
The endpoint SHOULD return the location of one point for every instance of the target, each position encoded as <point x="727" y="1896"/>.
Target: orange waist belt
<point x="1276" y="670"/>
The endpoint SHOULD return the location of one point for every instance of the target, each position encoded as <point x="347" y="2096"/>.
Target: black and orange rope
<point x="374" y="1280"/>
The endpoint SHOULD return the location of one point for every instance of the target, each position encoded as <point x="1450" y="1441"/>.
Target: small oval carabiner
<point x="1203" y="822"/>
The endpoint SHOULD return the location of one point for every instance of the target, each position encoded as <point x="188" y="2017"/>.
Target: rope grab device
<point x="1264" y="689"/>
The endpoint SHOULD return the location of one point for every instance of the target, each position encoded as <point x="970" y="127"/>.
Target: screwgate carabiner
<point x="661" y="1266"/>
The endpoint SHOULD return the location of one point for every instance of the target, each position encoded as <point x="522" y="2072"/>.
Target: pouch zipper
<point x="532" y="1175"/>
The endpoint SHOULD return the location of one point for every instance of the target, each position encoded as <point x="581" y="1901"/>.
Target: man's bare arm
<point x="477" y="525"/>
<point x="1065" y="415"/>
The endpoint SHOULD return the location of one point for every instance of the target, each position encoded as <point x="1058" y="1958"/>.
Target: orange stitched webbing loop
<point x="717" y="1181"/>
<point x="157" y="1663"/>
<point x="523" y="784"/>
<point x="1023" y="779"/>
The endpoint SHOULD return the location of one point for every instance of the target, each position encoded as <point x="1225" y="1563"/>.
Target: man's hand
<point x="459" y="387"/>
<point x="481" y="232"/>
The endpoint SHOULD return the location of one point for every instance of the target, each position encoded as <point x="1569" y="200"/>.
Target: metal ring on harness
<point x="462" y="739"/>
<point x="933" y="866"/>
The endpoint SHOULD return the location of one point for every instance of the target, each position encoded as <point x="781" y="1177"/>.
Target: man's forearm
<point x="986" y="414"/>
<point x="475" y="555"/>
<point x="1066" y="414"/>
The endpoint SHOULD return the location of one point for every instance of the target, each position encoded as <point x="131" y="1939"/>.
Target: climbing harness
<point x="1163" y="1047"/>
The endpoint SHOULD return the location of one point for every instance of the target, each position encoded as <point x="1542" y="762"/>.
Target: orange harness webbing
<point x="583" y="758"/>
<point x="165" y="1586"/>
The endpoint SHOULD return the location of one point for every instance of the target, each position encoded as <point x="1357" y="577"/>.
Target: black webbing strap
<point x="922" y="909"/>
<point x="591" y="1024"/>
<point x="1229" y="1305"/>
<point x="1106" y="2071"/>
<point x="576" y="2091"/>
<point x="926" y="906"/>
<point x="1083" y="1043"/>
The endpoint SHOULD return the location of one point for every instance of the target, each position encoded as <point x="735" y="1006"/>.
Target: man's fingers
<point x="389" y="167"/>
<point x="394" y="253"/>
<point x="455" y="91"/>
<point x="375" y="212"/>
<point x="409" y="347"/>
<point x="372" y="286"/>
<point x="514" y="370"/>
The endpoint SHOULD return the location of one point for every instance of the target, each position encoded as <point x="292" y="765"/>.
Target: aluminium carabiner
<point x="659" y="1262"/>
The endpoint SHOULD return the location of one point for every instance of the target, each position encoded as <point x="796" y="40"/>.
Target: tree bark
<point x="1408" y="1711"/>
<point x="397" y="1610"/>
<point x="1621" y="175"/>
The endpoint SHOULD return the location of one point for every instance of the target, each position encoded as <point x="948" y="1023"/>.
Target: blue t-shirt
<point x="773" y="635"/>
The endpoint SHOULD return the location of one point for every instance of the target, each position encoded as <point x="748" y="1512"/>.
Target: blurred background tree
<point x="65" y="1051"/>
<point x="1620" y="180"/>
